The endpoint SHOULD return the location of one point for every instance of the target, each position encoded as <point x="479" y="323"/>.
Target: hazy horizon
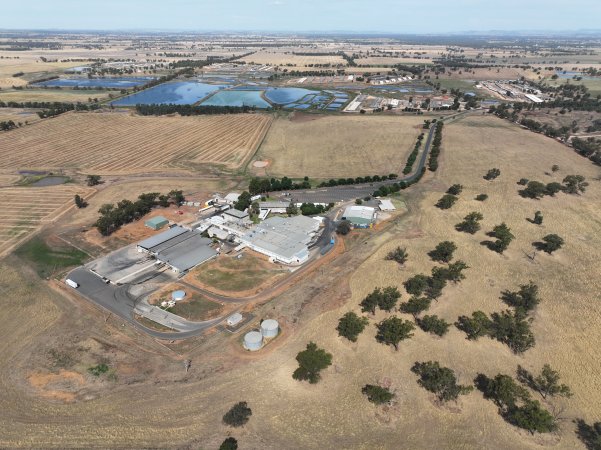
<point x="310" y="16"/>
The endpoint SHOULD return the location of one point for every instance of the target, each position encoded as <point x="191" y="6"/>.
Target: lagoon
<point x="80" y="82"/>
<point x="237" y="98"/>
<point x="177" y="93"/>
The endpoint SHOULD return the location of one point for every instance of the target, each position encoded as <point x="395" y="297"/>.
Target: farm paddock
<point x="25" y="209"/>
<point x="339" y="146"/>
<point x="120" y="143"/>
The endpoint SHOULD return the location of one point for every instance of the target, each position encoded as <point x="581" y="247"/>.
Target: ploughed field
<point x="24" y="209"/>
<point x="115" y="143"/>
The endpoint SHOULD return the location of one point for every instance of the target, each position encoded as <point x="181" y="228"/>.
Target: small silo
<point x="270" y="328"/>
<point x="253" y="341"/>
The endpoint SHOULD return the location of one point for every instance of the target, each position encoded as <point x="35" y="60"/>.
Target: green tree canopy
<point x="377" y="394"/>
<point x="443" y="252"/>
<point x="393" y="330"/>
<point x="546" y="383"/>
<point x="238" y="415"/>
<point x="439" y="380"/>
<point x="310" y="362"/>
<point x="351" y="326"/>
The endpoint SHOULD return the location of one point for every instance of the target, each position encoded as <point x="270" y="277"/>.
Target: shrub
<point x="551" y="243"/>
<point x="415" y="305"/>
<point x="476" y="326"/>
<point x="523" y="181"/>
<point x="481" y="197"/>
<point x="433" y="324"/>
<point x="98" y="370"/>
<point x="399" y="255"/>
<point x="492" y="174"/>
<point x="377" y="394"/>
<point x="574" y="184"/>
<point x="524" y="300"/>
<point x="546" y="384"/>
<point x="344" y="227"/>
<point x="439" y="380"/>
<point x="552" y="188"/>
<point x="443" y="252"/>
<point x="455" y="189"/>
<point x="351" y="326"/>
<point x="470" y="223"/>
<point x="504" y="237"/>
<point x="238" y="415"/>
<point x="538" y="218"/>
<point x="229" y="444"/>
<point x="310" y="362"/>
<point x="534" y="189"/>
<point x="512" y="329"/>
<point x="416" y="284"/>
<point x="446" y="201"/>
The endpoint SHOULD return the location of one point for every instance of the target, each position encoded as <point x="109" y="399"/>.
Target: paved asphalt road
<point x="117" y="300"/>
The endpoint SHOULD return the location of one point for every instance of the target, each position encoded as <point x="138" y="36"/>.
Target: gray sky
<point x="387" y="16"/>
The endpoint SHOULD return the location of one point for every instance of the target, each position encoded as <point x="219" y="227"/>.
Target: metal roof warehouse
<point x="179" y="248"/>
<point x="283" y="239"/>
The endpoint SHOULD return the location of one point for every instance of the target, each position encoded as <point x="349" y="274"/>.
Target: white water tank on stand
<point x="270" y="328"/>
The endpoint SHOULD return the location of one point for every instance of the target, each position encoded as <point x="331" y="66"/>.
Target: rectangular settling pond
<point x="177" y="93"/>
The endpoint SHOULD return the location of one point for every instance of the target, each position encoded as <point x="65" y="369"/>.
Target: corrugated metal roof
<point x="236" y="213"/>
<point x="161" y="237"/>
<point x="189" y="253"/>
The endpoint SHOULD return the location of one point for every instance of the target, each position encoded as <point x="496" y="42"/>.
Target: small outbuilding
<point x="234" y="319"/>
<point x="386" y="205"/>
<point x="156" y="223"/>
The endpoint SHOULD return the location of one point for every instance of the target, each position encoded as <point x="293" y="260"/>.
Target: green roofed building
<point x="156" y="223"/>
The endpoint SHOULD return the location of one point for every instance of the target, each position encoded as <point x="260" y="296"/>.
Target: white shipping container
<point x="72" y="283"/>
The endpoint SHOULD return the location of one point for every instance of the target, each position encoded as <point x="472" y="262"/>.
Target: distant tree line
<point x="155" y="109"/>
<point x="50" y="105"/>
<point x="6" y="125"/>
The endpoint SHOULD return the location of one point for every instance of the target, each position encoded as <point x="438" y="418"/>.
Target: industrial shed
<point x="360" y="216"/>
<point x="156" y="223"/>
<point x="283" y="239"/>
<point x="179" y="248"/>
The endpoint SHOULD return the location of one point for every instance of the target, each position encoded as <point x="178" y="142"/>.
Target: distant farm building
<point x="156" y="223"/>
<point x="179" y="248"/>
<point x="360" y="216"/>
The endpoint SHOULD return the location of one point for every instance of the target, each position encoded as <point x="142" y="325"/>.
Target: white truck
<point x="72" y="283"/>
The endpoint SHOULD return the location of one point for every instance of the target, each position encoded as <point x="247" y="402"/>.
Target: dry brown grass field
<point x="154" y="403"/>
<point x="25" y="209"/>
<point x="18" y="115"/>
<point x="52" y="95"/>
<point x="275" y="58"/>
<point x="118" y="144"/>
<point x="339" y="146"/>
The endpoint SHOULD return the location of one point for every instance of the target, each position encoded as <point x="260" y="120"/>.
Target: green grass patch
<point x="237" y="281"/>
<point x="196" y="308"/>
<point x="98" y="370"/>
<point x="47" y="260"/>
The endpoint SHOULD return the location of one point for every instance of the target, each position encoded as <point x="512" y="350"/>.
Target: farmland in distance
<point x="114" y="143"/>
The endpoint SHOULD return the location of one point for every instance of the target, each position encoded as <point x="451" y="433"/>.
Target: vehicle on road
<point x="72" y="283"/>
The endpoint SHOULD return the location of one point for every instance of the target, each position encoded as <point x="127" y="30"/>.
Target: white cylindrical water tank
<point x="253" y="340"/>
<point x="270" y="328"/>
<point x="177" y="296"/>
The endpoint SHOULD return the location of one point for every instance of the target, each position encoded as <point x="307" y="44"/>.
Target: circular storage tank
<point x="270" y="328"/>
<point x="176" y="296"/>
<point x="253" y="340"/>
